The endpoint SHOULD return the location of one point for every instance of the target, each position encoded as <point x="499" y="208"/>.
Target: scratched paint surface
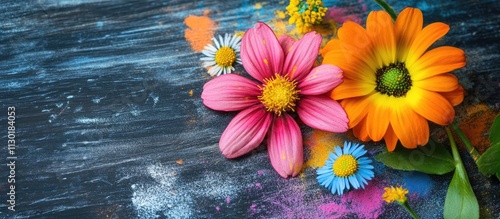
<point x="110" y="123"/>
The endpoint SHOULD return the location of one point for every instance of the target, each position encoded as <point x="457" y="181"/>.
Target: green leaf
<point x="495" y="130"/>
<point x="460" y="200"/>
<point x="489" y="162"/>
<point x="431" y="159"/>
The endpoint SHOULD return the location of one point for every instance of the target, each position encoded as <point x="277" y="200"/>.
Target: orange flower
<point x="392" y="84"/>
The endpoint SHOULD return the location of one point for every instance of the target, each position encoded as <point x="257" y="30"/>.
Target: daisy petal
<point x="437" y="61"/>
<point x="411" y="128"/>
<point x="320" y="80"/>
<point x="322" y="113"/>
<point x="261" y="53"/>
<point x="357" y="108"/>
<point x="302" y="56"/>
<point x="424" y="39"/>
<point x="454" y="97"/>
<point x="440" y="83"/>
<point x="381" y="27"/>
<point x="361" y="131"/>
<point x="378" y="112"/>
<point x="341" y="185"/>
<point x="430" y="105"/>
<point x="230" y="92"/>
<point x="245" y="132"/>
<point x="285" y="146"/>
<point x="408" y="24"/>
<point x="352" y="88"/>
<point x="286" y="43"/>
<point x="390" y="139"/>
<point x="353" y="181"/>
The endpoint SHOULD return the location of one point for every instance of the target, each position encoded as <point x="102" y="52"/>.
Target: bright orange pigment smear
<point x="476" y="124"/>
<point x="321" y="143"/>
<point x="200" y="30"/>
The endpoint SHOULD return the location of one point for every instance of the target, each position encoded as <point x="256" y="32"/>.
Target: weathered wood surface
<point x="104" y="113"/>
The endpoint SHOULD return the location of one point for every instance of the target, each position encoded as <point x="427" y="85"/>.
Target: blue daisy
<point x="346" y="167"/>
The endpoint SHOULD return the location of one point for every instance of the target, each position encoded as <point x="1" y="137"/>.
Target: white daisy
<point x="222" y="57"/>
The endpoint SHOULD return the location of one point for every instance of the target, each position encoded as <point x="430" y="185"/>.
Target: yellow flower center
<point x="345" y="165"/>
<point x="279" y="94"/>
<point x="225" y="56"/>
<point x="393" y="80"/>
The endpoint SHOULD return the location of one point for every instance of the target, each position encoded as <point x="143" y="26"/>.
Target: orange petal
<point x="353" y="66"/>
<point x="437" y="61"/>
<point x="381" y="28"/>
<point x="411" y="128"/>
<point x="390" y="139"/>
<point x="331" y="45"/>
<point x="454" y="97"/>
<point x="356" y="109"/>
<point x="355" y="37"/>
<point x="430" y="105"/>
<point x="377" y="119"/>
<point x="352" y="88"/>
<point x="424" y="39"/>
<point x="361" y="131"/>
<point x="440" y="83"/>
<point x="408" y="24"/>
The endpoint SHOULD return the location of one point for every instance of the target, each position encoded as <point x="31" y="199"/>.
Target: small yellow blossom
<point x="395" y="194"/>
<point x="305" y="14"/>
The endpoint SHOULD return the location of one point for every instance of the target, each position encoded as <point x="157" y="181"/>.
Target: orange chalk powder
<point x="321" y="143"/>
<point x="476" y="124"/>
<point x="200" y="31"/>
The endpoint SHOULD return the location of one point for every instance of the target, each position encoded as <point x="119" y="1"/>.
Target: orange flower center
<point x="225" y="56"/>
<point x="393" y="80"/>
<point x="345" y="165"/>
<point x="279" y="94"/>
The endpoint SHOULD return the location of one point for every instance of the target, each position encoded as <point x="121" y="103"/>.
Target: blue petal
<point x="354" y="182"/>
<point x="342" y="183"/>
<point x="347" y="184"/>
<point x="340" y="190"/>
<point x="358" y="152"/>
<point x="337" y="151"/>
<point x="322" y="178"/>
<point x="347" y="148"/>
<point x="364" y="161"/>
<point x="334" y="185"/>
<point x="361" y="181"/>
<point x="324" y="170"/>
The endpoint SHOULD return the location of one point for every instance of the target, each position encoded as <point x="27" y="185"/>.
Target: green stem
<point x="473" y="152"/>
<point x="410" y="210"/>
<point x="454" y="150"/>
<point x="387" y="8"/>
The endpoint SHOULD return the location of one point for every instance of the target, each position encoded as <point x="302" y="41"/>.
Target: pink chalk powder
<point x="365" y="203"/>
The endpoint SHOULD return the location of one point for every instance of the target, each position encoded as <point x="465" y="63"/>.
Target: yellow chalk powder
<point x="320" y="144"/>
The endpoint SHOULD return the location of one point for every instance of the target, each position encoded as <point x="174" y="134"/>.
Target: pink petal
<point x="261" y="53"/>
<point x="286" y="43"/>
<point x="230" y="92"/>
<point x="245" y="132"/>
<point x="321" y="112"/>
<point x="301" y="58"/>
<point x="284" y="145"/>
<point x="320" y="80"/>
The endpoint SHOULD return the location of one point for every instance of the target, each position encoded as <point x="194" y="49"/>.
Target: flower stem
<point x="473" y="152"/>
<point x="409" y="209"/>
<point x="387" y="8"/>
<point x="454" y="150"/>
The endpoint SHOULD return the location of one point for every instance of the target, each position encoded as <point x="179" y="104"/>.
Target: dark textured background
<point x="101" y="91"/>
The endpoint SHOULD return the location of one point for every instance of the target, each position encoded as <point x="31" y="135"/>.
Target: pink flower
<point x="286" y="82"/>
